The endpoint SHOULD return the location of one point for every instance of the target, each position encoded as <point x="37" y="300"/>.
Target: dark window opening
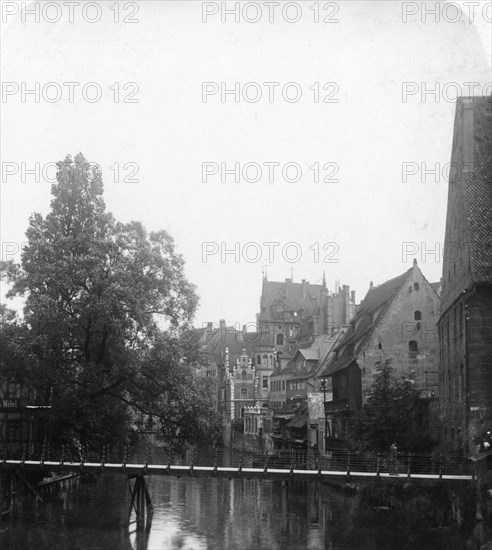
<point x="416" y="286"/>
<point x="417" y="316"/>
<point x="413" y="348"/>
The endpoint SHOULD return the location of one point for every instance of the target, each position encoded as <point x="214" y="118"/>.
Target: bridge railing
<point x="340" y="460"/>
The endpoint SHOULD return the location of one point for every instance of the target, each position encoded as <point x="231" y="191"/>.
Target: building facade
<point x="465" y="324"/>
<point x="397" y="321"/>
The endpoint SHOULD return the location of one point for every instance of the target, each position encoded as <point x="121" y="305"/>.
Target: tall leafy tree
<point x="393" y="413"/>
<point x="97" y="294"/>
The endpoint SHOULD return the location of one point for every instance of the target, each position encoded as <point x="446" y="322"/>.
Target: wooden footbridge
<point x="347" y="469"/>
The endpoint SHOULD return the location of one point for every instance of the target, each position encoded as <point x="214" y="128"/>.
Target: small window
<point x="258" y="360"/>
<point x="244" y="393"/>
<point x="244" y="375"/>
<point x="265" y="382"/>
<point x="280" y="339"/>
<point x="416" y="286"/>
<point x="380" y="346"/>
<point x="417" y="315"/>
<point x="410" y="289"/>
<point x="283" y="384"/>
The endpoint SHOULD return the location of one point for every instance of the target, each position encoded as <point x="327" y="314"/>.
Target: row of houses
<point x="314" y="353"/>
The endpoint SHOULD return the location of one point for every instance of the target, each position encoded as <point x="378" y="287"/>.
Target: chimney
<point x="344" y="303"/>
<point x="371" y="284"/>
<point x="352" y="296"/>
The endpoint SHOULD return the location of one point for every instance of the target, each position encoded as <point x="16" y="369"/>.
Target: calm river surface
<point x="225" y="514"/>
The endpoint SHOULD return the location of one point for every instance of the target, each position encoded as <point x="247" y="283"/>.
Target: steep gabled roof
<point x="373" y="307"/>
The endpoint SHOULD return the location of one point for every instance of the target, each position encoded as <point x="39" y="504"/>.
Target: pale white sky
<point x="170" y="132"/>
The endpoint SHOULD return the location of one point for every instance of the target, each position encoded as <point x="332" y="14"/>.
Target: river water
<point x="223" y="514"/>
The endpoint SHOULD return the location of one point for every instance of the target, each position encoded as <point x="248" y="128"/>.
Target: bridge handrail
<point x="302" y="459"/>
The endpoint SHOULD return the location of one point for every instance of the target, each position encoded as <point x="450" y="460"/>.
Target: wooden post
<point x="141" y="503"/>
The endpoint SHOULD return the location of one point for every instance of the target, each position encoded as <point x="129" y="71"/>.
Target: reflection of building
<point x="14" y="429"/>
<point x="465" y="325"/>
<point x="397" y="321"/>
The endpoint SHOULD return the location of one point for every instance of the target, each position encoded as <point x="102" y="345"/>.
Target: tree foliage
<point x="97" y="295"/>
<point x="393" y="413"/>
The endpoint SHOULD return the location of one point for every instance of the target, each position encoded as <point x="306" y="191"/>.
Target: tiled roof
<point x="478" y="192"/>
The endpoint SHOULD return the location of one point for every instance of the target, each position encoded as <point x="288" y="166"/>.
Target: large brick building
<point x="465" y="324"/>
<point x="397" y="321"/>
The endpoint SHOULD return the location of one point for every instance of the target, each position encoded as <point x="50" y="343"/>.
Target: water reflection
<point x="229" y="514"/>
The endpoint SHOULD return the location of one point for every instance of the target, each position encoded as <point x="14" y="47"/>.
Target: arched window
<point x="416" y="286"/>
<point x="280" y="339"/>
<point x="244" y="393"/>
<point x="256" y="424"/>
<point x="380" y="346"/>
<point x="417" y="315"/>
<point x="265" y="360"/>
<point x="271" y="359"/>
<point x="244" y="375"/>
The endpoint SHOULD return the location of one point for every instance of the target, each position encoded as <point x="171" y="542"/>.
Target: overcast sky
<point x="168" y="132"/>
